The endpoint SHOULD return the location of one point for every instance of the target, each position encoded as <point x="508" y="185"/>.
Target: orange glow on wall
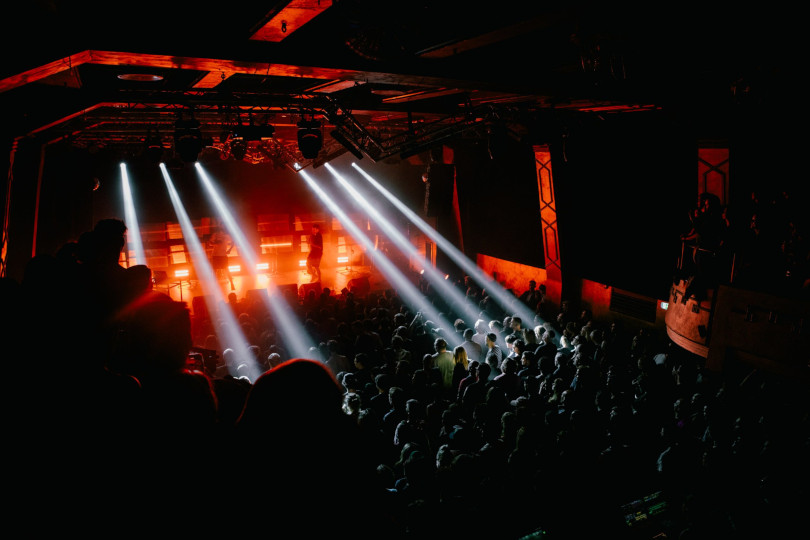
<point x="510" y="275"/>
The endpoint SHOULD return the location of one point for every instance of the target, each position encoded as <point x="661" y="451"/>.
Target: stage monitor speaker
<point x="359" y="286"/>
<point x="306" y="287"/>
<point x="288" y="290"/>
<point x="199" y="306"/>
<point x="257" y="295"/>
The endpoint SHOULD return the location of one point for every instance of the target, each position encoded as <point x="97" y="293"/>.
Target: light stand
<point x="348" y="271"/>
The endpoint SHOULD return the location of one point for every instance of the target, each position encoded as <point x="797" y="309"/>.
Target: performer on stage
<point x="222" y="245"/>
<point x="315" y="254"/>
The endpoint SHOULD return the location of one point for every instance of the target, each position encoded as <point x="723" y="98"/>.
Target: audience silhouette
<point x="114" y="430"/>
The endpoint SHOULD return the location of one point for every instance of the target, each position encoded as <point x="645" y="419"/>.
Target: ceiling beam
<point x="46" y="70"/>
<point x="446" y="50"/>
<point x="232" y="67"/>
<point x="212" y="79"/>
<point x="291" y="18"/>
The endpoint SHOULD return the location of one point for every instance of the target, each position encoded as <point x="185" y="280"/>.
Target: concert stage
<point x="359" y="279"/>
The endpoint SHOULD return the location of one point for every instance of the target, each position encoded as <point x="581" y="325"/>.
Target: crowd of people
<point x="761" y="245"/>
<point x="525" y="429"/>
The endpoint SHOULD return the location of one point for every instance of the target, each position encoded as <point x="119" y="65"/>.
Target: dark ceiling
<point x="393" y="78"/>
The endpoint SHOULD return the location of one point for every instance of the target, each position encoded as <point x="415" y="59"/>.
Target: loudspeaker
<point x="289" y="290"/>
<point x="359" y="286"/>
<point x="306" y="287"/>
<point x="160" y="277"/>
<point x="257" y="295"/>
<point x="199" y="306"/>
<point x="440" y="198"/>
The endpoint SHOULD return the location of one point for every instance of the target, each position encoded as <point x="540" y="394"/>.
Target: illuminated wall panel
<point x="713" y="172"/>
<point x="548" y="216"/>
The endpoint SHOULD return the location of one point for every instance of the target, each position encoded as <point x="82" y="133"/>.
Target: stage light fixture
<point x="238" y="148"/>
<point x="265" y="131"/>
<point x="154" y="146"/>
<point x="188" y="139"/>
<point x="253" y="132"/>
<point x="310" y="138"/>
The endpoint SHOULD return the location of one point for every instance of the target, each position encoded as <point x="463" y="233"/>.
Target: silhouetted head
<point x="299" y="395"/>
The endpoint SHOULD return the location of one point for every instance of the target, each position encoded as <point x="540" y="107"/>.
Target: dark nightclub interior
<point x="313" y="268"/>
